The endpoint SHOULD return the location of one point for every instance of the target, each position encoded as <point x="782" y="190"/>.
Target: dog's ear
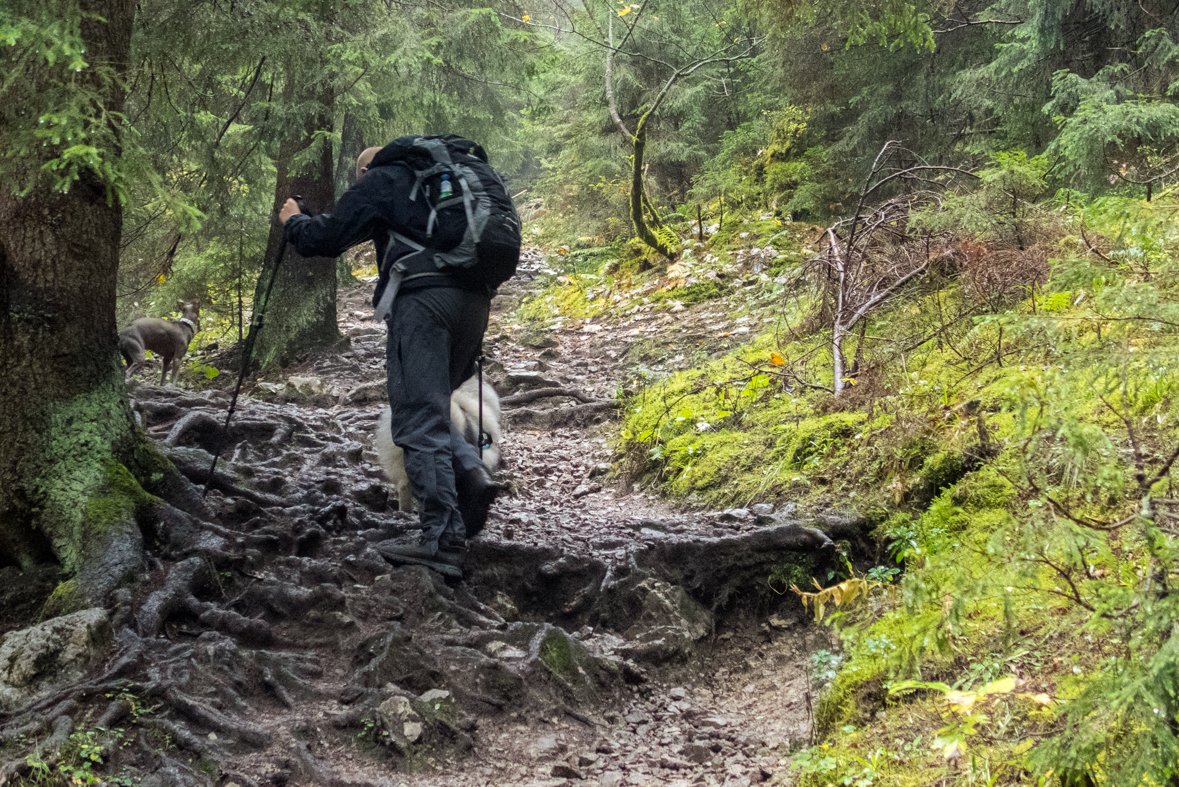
<point x="197" y="304"/>
<point x="180" y="306"/>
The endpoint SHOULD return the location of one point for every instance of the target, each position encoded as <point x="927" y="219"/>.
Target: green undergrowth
<point x="1014" y="456"/>
<point x="590" y="280"/>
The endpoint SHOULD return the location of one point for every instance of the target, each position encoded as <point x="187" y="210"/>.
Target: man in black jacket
<point x="436" y="326"/>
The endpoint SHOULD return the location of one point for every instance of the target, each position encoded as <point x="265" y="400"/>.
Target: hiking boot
<point x="452" y="543"/>
<point x="476" y="492"/>
<point x="414" y="547"/>
<point x="451" y="556"/>
<point x="417" y="552"/>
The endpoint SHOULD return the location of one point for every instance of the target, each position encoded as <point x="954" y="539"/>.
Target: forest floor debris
<point x="599" y="636"/>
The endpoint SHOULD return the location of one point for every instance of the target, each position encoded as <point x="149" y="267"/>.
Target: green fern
<point x="666" y="237"/>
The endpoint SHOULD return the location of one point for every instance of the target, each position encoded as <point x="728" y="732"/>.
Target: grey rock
<point x="586" y="489"/>
<point x="715" y="722"/>
<point x="57" y="650"/>
<point x="363" y="331"/>
<point x="434" y="695"/>
<point x="375" y="391"/>
<point x="600" y="469"/>
<point x="564" y="771"/>
<point x="548" y="746"/>
<point x="669" y="623"/>
<point x="762" y="509"/>
<point x="694" y="752"/>
<point x="174" y="776"/>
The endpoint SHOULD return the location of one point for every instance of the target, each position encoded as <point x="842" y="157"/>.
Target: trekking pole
<point x="247" y="351"/>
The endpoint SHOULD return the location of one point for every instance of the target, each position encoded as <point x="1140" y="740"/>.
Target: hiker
<point x="446" y="235"/>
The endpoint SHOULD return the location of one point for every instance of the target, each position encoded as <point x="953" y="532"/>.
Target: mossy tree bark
<point x="301" y="313"/>
<point x="67" y="437"/>
<point x="638" y="195"/>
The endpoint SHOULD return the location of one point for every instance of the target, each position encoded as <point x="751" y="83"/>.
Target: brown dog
<point x="166" y="338"/>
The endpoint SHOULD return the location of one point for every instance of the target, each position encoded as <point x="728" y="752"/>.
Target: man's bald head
<point x="364" y="160"/>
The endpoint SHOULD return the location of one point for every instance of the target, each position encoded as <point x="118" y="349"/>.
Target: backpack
<point x="473" y="231"/>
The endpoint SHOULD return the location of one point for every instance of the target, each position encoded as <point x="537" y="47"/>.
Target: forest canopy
<point x="776" y="104"/>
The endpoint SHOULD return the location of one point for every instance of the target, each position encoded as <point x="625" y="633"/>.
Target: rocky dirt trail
<point x="598" y="636"/>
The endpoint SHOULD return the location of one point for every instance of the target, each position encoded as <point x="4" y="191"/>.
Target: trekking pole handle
<point x="298" y="198"/>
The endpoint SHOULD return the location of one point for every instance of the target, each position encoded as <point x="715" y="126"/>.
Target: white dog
<point x="464" y="412"/>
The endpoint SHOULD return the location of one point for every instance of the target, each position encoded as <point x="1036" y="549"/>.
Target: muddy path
<point x="599" y="636"/>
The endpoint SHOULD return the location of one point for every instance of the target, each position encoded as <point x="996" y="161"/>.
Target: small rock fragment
<point x="563" y="771"/>
<point x="547" y="746"/>
<point x="599" y="469"/>
<point x="610" y="779"/>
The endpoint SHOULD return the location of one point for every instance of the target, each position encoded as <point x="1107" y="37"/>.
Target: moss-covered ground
<point x="1014" y="455"/>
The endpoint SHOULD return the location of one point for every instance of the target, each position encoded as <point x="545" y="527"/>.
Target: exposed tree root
<point x="268" y="627"/>
<point x="562" y="417"/>
<point x="525" y="397"/>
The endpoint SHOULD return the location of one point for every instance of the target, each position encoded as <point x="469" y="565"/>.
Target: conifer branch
<point x="977" y="23"/>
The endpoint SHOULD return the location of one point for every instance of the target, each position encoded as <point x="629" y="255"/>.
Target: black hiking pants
<point x="435" y="335"/>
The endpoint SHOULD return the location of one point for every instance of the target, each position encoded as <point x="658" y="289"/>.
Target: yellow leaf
<point x="526" y="18"/>
<point x="1001" y="686"/>
<point x="961" y="700"/>
<point x="624" y="11"/>
<point x="1042" y="699"/>
<point x="777" y="360"/>
<point x="161" y="279"/>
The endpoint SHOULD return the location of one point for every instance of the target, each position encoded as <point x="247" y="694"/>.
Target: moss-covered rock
<point x="566" y="664"/>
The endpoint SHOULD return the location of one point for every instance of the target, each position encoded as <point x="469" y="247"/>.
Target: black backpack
<point x="473" y="231"/>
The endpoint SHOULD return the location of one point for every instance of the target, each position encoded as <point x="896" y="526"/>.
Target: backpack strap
<point x="396" y="276"/>
<point x="391" y="288"/>
<point x="468" y="202"/>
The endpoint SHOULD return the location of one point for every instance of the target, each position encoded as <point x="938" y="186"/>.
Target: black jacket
<point x="376" y="206"/>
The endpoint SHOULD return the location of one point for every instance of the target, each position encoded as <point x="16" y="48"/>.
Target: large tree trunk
<point x="351" y="146"/>
<point x="301" y="313"/>
<point x="67" y="437"/>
